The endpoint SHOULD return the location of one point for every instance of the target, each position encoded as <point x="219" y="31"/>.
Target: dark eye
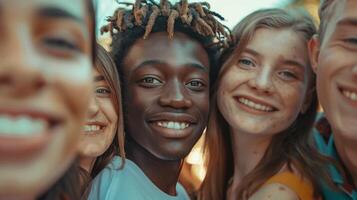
<point x="150" y="82"/>
<point x="246" y="63"/>
<point x="352" y="41"/>
<point x="103" y="91"/>
<point x="196" y="85"/>
<point x="60" y="43"/>
<point x="287" y="75"/>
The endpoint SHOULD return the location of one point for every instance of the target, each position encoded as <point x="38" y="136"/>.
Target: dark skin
<point x="166" y="101"/>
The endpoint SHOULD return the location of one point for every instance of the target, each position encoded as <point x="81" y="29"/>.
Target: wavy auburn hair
<point x="292" y="147"/>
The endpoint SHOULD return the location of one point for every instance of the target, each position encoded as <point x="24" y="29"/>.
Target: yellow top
<point x="301" y="187"/>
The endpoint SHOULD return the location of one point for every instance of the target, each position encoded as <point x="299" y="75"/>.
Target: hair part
<point x="292" y="147"/>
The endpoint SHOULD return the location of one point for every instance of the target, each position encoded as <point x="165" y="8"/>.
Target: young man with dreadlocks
<point x="333" y="53"/>
<point x="166" y="55"/>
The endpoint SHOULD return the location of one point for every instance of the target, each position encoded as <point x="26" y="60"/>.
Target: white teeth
<point x="254" y="105"/>
<point x="349" y="94"/>
<point x="91" y="128"/>
<point x="173" y="125"/>
<point x="21" y="126"/>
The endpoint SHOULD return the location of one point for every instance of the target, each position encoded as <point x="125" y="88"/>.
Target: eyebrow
<point x="98" y="78"/>
<point x="347" y="22"/>
<point x="251" y="51"/>
<point x="55" y="13"/>
<point x="294" y="63"/>
<point x="158" y="62"/>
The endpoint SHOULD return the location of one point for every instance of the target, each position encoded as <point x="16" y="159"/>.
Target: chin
<point x="173" y="154"/>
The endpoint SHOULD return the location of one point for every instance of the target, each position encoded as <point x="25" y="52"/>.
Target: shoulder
<point x="108" y="178"/>
<point x="274" y="191"/>
<point x="292" y="180"/>
<point x="181" y="192"/>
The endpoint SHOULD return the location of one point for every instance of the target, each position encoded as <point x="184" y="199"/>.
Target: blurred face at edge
<point x="45" y="63"/>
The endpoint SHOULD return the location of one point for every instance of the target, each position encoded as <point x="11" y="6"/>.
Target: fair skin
<point x="45" y="62"/>
<point x="335" y="63"/>
<point x="267" y="88"/>
<point x="100" y="125"/>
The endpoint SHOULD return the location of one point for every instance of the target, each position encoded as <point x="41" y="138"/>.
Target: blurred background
<point x="233" y="11"/>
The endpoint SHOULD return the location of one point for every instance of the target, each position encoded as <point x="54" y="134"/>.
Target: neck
<point x="87" y="163"/>
<point x="248" y="150"/>
<point x="163" y="173"/>
<point x="347" y="152"/>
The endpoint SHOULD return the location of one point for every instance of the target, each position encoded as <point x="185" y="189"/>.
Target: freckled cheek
<point x="293" y="99"/>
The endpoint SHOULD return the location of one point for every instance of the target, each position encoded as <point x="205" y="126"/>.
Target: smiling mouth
<point x="24" y="134"/>
<point x="172" y="125"/>
<point x="92" y="128"/>
<point x="256" y="106"/>
<point x="349" y="94"/>
<point x="23" y="126"/>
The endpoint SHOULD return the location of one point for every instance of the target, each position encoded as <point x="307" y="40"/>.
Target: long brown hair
<point x="292" y="147"/>
<point x="105" y="66"/>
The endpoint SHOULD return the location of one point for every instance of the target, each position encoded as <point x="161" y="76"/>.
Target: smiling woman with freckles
<point x="258" y="141"/>
<point x="46" y="61"/>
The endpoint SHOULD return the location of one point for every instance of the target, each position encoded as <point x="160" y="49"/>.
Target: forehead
<point x="177" y="51"/>
<point x="344" y="10"/>
<point x="283" y="41"/>
<point x="76" y="8"/>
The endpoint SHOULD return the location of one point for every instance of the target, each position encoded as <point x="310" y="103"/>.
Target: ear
<point x="308" y="99"/>
<point x="314" y="51"/>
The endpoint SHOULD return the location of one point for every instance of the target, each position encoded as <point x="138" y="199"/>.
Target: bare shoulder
<point x="274" y="191"/>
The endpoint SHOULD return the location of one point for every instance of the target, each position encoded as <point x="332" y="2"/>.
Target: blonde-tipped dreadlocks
<point x="144" y="13"/>
<point x="138" y="20"/>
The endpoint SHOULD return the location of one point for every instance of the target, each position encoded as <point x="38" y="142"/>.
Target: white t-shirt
<point x="130" y="183"/>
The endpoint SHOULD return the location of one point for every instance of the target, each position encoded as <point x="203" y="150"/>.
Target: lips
<point x="172" y="125"/>
<point x="93" y="127"/>
<point x="25" y="132"/>
<point x="349" y="94"/>
<point x="255" y="104"/>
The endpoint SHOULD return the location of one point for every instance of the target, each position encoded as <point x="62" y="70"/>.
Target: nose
<point x="175" y="96"/>
<point x="20" y="73"/>
<point x="262" y="80"/>
<point x="93" y="107"/>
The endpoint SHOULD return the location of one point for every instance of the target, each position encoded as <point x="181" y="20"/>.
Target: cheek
<point x="201" y="101"/>
<point x="225" y="104"/>
<point x="293" y="98"/>
<point x="109" y="110"/>
<point x="74" y="79"/>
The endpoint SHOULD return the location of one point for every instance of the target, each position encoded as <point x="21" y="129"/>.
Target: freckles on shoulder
<point x="274" y="191"/>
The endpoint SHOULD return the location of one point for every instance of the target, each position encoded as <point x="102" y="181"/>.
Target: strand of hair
<point x="155" y="13"/>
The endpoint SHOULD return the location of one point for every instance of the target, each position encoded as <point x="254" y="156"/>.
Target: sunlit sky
<point x="232" y="10"/>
